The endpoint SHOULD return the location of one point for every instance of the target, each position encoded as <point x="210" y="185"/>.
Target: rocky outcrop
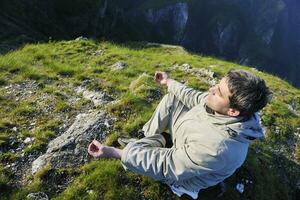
<point x="97" y="97"/>
<point x="264" y="34"/>
<point x="70" y="149"/>
<point x="205" y="75"/>
<point x="226" y="37"/>
<point x="37" y="196"/>
<point x="118" y="65"/>
<point x="168" y="20"/>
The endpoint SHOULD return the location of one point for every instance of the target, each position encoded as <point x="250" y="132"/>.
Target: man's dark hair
<point x="249" y="92"/>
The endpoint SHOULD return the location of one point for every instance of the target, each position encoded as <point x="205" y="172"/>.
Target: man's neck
<point x="209" y="110"/>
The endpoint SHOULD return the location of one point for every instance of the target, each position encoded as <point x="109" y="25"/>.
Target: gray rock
<point x="226" y="37"/>
<point x="176" y="15"/>
<point x="97" y="97"/>
<point x="186" y="67"/>
<point x="119" y="65"/>
<point x="202" y="74"/>
<point x="37" y="196"/>
<point x="99" y="52"/>
<point x="70" y="149"/>
<point x="293" y="108"/>
<point x="81" y="38"/>
<point x="28" y="140"/>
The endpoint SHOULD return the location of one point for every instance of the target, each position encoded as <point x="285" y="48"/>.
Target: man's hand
<point x="95" y="149"/>
<point x="98" y="150"/>
<point x="161" y="77"/>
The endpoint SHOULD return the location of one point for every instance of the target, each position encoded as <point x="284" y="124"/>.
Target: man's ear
<point x="233" y="112"/>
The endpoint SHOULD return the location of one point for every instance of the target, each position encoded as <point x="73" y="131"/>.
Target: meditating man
<point x="210" y="133"/>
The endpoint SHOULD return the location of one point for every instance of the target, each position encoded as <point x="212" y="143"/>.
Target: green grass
<point x="59" y="67"/>
<point x="107" y="175"/>
<point x="25" y="109"/>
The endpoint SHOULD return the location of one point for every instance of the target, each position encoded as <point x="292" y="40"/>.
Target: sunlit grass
<point x="59" y="67"/>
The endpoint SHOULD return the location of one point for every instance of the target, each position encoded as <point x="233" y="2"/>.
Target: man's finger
<point x="90" y="145"/>
<point x="95" y="142"/>
<point x="90" y="152"/>
<point x="158" y="77"/>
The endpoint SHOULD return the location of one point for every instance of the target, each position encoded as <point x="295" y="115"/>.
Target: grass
<point x="59" y="67"/>
<point x="107" y="175"/>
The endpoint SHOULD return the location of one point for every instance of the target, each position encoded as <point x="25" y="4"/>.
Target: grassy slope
<point x="58" y="67"/>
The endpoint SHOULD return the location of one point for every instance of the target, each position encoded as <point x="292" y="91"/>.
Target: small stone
<point x="14" y="129"/>
<point x="37" y="196"/>
<point x="28" y="140"/>
<point x="186" y="67"/>
<point x="32" y="124"/>
<point x="98" y="53"/>
<point x="240" y="187"/>
<point x="119" y="65"/>
<point x="90" y="191"/>
<point x="19" y="149"/>
<point x="81" y="38"/>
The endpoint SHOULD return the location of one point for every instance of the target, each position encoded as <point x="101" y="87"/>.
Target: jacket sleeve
<point x="188" y="96"/>
<point x="147" y="157"/>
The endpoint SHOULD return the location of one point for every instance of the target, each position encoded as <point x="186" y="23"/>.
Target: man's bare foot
<point x="98" y="150"/>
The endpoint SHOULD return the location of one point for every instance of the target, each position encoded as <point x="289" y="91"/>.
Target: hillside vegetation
<point x="39" y="101"/>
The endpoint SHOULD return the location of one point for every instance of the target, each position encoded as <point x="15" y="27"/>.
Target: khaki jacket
<point x="207" y="147"/>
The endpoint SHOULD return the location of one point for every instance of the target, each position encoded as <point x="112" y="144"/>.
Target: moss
<point x="103" y="179"/>
<point x="66" y="72"/>
<point x="62" y="106"/>
<point x="111" y="140"/>
<point x="3" y="139"/>
<point x="4" y="179"/>
<point x="154" y="190"/>
<point x="8" y="157"/>
<point x="25" y="109"/>
<point x="2" y="81"/>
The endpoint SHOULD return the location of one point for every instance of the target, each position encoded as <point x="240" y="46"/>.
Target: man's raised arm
<point x="188" y="96"/>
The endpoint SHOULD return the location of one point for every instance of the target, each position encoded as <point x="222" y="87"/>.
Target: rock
<point x="28" y="140"/>
<point x="70" y="149"/>
<point x="293" y="108"/>
<point x="119" y="65"/>
<point x="240" y="187"/>
<point x="37" y="196"/>
<point x="202" y="74"/>
<point x="186" y="67"/>
<point x="277" y="130"/>
<point x="81" y="38"/>
<point x="97" y="97"/>
<point x="98" y="53"/>
<point x="22" y="90"/>
<point x="226" y="37"/>
<point x="175" y="15"/>
<point x="90" y="191"/>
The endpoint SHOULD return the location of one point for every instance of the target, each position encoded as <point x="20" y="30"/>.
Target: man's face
<point x="218" y="97"/>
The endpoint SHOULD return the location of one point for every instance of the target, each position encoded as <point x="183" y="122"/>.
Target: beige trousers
<point x="165" y="116"/>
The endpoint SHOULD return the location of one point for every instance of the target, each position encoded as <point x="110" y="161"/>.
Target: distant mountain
<point x="263" y="34"/>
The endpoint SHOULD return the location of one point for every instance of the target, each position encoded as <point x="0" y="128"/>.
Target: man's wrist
<point x="113" y="152"/>
<point x="169" y="82"/>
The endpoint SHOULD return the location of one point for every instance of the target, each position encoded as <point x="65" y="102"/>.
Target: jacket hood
<point x="244" y="129"/>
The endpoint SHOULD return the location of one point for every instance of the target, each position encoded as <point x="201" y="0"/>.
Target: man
<point x="210" y="132"/>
